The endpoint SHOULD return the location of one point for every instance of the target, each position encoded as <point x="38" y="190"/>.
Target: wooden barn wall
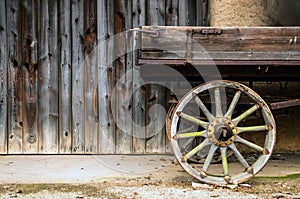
<point x="51" y="57"/>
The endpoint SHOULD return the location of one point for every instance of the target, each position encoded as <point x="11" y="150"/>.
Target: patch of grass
<point x="110" y="178"/>
<point x="87" y="190"/>
<point x="290" y="176"/>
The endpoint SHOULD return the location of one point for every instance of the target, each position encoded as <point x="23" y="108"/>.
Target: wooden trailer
<point x="213" y="120"/>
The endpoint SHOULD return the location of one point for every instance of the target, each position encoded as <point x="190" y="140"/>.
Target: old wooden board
<point x="15" y="88"/>
<point x="155" y="135"/>
<point x="224" y="44"/>
<point x="105" y="52"/>
<point x="77" y="77"/>
<point x="65" y="77"/>
<point x="3" y="80"/>
<point x="138" y="93"/>
<point x="48" y="82"/>
<point x="123" y="88"/>
<point x="91" y="77"/>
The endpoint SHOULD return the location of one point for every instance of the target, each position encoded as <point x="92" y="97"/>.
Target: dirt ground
<point x="170" y="181"/>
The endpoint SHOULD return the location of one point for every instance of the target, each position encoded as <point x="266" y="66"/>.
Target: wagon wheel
<point x="223" y="130"/>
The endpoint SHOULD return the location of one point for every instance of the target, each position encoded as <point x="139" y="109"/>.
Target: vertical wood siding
<point x="90" y="77"/>
<point x="3" y="79"/>
<point x="15" y="84"/>
<point x="68" y="84"/>
<point x="48" y="77"/>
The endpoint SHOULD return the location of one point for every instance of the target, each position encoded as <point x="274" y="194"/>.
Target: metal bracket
<point x="153" y="32"/>
<point x="211" y="32"/>
<point x="208" y="31"/>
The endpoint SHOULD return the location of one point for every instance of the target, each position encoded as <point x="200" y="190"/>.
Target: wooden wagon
<point x="211" y="122"/>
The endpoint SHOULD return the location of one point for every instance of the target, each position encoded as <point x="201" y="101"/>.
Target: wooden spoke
<point x="190" y="134"/>
<point x="218" y="104"/>
<point x="249" y="144"/>
<point x="239" y="155"/>
<point x="209" y="157"/>
<point x="253" y="128"/>
<point x="193" y="119"/>
<point x="233" y="104"/>
<point x="224" y="160"/>
<point x="195" y="150"/>
<point x="187" y="144"/>
<point x="203" y="108"/>
<point x="245" y="114"/>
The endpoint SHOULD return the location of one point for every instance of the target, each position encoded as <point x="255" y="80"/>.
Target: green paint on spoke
<point x="193" y="119"/>
<point x="245" y="114"/>
<point x="197" y="149"/>
<point x="253" y="128"/>
<point x="224" y="160"/>
<point x="190" y="134"/>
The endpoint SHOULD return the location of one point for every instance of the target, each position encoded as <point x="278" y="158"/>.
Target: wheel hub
<point x="221" y="132"/>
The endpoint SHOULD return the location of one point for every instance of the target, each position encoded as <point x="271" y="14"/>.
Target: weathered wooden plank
<point x="47" y="125"/>
<point x="182" y="13"/>
<point x="65" y="76"/>
<point x="192" y="12"/>
<point x="247" y="56"/>
<point x="3" y="79"/>
<point x="171" y="39"/>
<point x="155" y="134"/>
<point x="91" y="77"/>
<point x="156" y="12"/>
<point x="30" y="71"/>
<point x="138" y="13"/>
<point x="171" y="12"/>
<point x="105" y="52"/>
<point x="54" y="77"/>
<point x="15" y="84"/>
<point x="123" y="63"/>
<point x="232" y="43"/>
<point x="77" y="32"/>
<point x="199" y="12"/>
<point x="138" y="96"/>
